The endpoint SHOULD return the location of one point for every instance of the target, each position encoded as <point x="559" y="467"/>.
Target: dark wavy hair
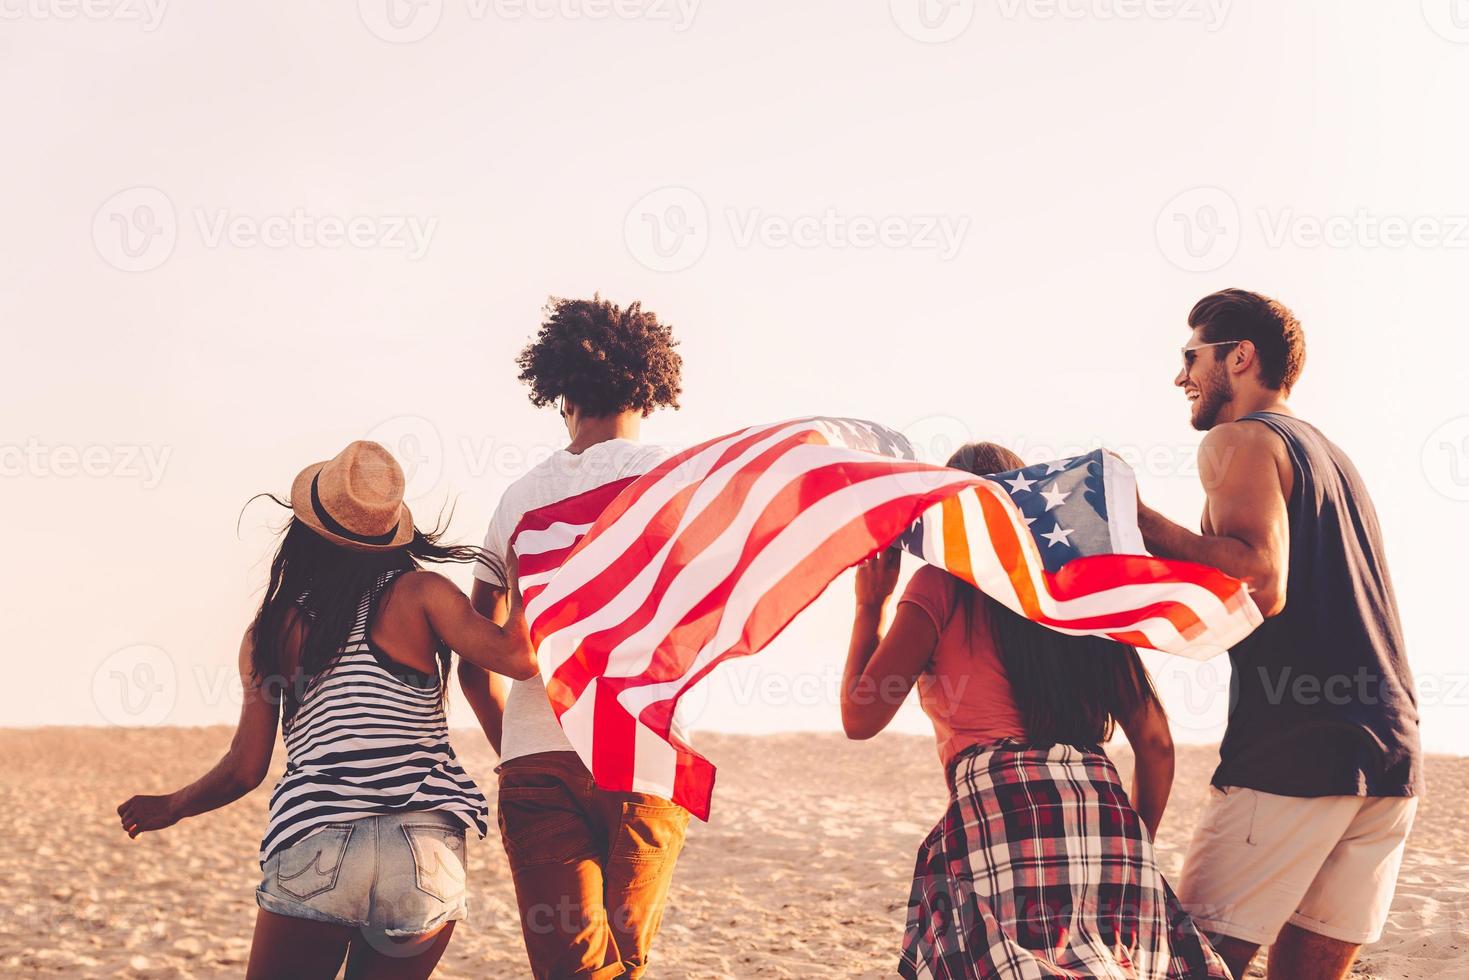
<point x="314" y="594"/>
<point x="1238" y="314"/>
<point x="1071" y="690"/>
<point x="605" y="359"/>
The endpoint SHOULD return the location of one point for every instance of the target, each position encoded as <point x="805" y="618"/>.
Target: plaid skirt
<point x="1041" y="868"/>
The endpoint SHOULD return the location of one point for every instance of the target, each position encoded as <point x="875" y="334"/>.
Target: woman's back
<point x="964" y="689"/>
<point x="366" y="736"/>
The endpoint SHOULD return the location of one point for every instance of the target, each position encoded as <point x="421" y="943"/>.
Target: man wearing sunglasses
<point x="1320" y="767"/>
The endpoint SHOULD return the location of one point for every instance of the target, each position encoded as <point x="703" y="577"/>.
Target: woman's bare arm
<point x="243" y="767"/>
<point x="502" y="649"/>
<point x="1152" y="747"/>
<point x="881" y="670"/>
<point x="486" y="691"/>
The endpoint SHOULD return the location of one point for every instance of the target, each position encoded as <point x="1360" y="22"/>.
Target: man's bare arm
<point x="484" y="690"/>
<point x="1246" y="524"/>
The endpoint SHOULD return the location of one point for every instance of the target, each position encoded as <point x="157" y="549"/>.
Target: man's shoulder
<point x="1247" y="435"/>
<point x="563" y="475"/>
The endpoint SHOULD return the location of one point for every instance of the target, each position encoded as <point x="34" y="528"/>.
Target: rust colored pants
<point x="591" y="867"/>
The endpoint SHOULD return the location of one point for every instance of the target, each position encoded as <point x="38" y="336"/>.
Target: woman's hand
<point x="523" y="662"/>
<point x="878" y="577"/>
<point x="240" y="770"/>
<point x="144" y="813"/>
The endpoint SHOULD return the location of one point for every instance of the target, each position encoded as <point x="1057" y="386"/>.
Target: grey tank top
<point x="1322" y="698"/>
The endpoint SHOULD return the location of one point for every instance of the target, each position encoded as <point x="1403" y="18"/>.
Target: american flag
<point x="637" y="590"/>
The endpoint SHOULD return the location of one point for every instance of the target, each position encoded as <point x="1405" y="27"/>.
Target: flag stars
<point x="1054" y="497"/>
<point x="1058" y="535"/>
<point x="1020" y="484"/>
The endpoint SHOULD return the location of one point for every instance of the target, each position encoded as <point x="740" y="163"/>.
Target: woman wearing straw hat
<point x="364" y="851"/>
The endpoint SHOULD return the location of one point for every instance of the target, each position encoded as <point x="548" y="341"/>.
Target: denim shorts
<point x="400" y="874"/>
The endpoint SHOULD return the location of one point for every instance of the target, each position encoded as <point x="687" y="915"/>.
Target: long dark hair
<point x="1071" y="690"/>
<point x="316" y="589"/>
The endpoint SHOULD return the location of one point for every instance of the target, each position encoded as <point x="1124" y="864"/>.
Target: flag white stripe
<point x="806" y="533"/>
<point x="618" y="537"/>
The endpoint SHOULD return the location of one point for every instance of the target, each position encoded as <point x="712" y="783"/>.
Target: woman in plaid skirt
<point x="1043" y="865"/>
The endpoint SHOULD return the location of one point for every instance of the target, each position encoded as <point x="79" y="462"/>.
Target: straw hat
<point x="355" y="499"/>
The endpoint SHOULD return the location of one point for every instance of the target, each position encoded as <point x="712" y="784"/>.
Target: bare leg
<point x="413" y="959"/>
<point x="1237" y="954"/>
<point x="287" y="948"/>
<point x="1301" y="955"/>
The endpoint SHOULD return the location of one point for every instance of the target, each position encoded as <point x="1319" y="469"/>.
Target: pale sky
<point x="237" y="237"/>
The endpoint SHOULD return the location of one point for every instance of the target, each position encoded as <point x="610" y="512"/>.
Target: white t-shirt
<point x="530" y="723"/>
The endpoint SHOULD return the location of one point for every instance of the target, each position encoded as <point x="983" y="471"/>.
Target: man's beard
<point x="1216" y="393"/>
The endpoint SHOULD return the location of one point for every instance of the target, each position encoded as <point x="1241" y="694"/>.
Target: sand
<point x="803" y="871"/>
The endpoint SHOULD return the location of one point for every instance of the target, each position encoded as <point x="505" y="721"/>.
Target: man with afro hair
<point x="591" y="867"/>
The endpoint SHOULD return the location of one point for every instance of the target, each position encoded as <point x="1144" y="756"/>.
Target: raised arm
<point x="882" y="669"/>
<point x="242" y="768"/>
<point x="1247" y="479"/>
<point x="503" y="649"/>
<point x="485" y="690"/>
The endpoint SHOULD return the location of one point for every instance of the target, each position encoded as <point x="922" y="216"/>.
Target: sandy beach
<point x="803" y="871"/>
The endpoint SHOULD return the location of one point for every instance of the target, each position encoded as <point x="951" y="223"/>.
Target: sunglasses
<point x="1188" y="352"/>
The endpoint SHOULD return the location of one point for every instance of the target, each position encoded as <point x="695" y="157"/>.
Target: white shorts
<point x="1327" y="864"/>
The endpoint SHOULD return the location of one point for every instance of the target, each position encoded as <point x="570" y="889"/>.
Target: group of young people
<point x="1043" y="864"/>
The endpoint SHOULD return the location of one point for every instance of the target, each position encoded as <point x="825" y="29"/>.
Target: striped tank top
<point x="367" y="737"/>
